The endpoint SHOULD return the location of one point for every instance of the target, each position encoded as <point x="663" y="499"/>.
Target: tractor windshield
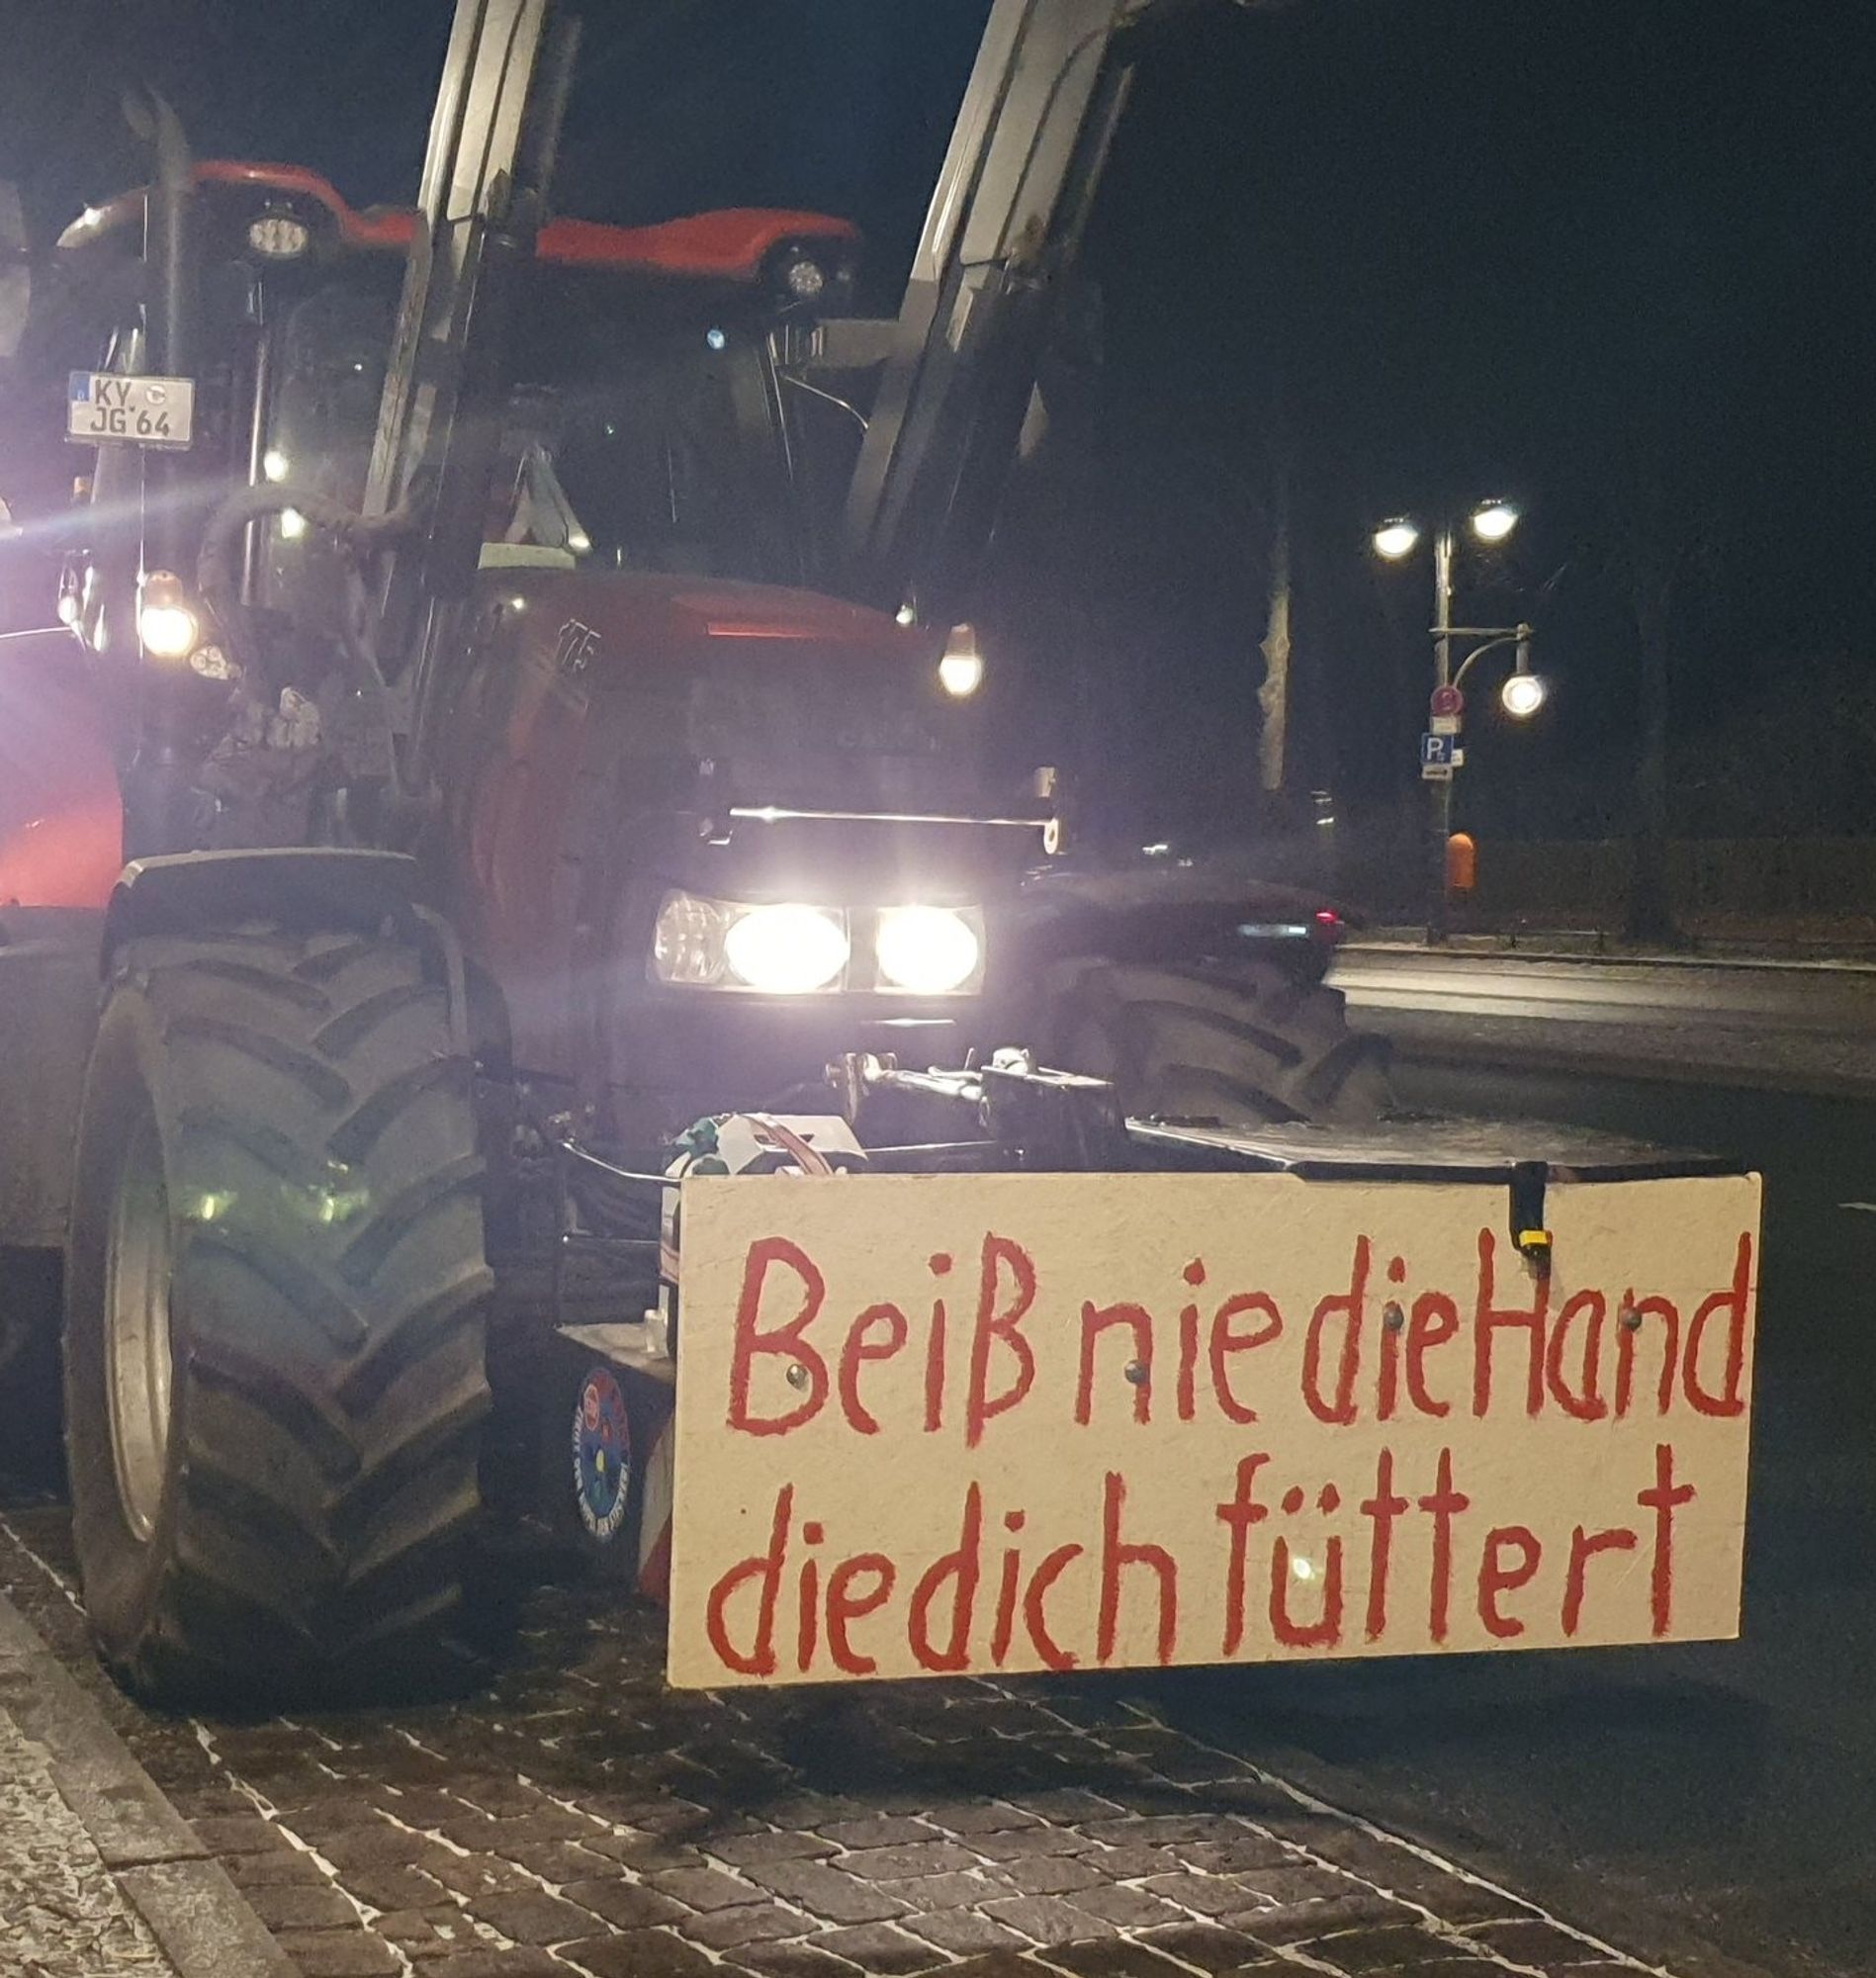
<point x="633" y="442"/>
<point x="665" y="445"/>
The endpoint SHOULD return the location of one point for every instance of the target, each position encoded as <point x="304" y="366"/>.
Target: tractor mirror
<point x="15" y="280"/>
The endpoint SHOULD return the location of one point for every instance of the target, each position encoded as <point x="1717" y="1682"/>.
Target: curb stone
<point x="149" y="1878"/>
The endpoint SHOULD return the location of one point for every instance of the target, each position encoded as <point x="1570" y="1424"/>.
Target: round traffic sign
<point x="1448" y="700"/>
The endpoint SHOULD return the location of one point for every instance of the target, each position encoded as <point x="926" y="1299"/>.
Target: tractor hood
<point x="654" y="620"/>
<point x="793" y="696"/>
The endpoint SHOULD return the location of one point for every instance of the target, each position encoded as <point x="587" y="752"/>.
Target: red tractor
<point x="513" y="707"/>
<point x="587" y="765"/>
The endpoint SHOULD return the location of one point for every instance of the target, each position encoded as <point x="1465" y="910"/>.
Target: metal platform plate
<point x="1425" y="1149"/>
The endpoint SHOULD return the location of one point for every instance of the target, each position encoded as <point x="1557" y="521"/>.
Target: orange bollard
<point x="1462" y="862"/>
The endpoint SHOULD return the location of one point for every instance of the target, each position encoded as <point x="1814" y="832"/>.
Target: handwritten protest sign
<point x="932" y="1424"/>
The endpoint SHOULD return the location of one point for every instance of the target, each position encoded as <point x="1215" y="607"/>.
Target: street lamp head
<point x="1493" y="521"/>
<point x="1523" y="694"/>
<point x="1396" y="539"/>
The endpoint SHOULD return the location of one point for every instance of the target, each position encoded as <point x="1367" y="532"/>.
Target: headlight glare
<point x="167" y="623"/>
<point x="168" y="631"/>
<point x="927" y="950"/>
<point x="961" y="669"/>
<point x="795" y="949"/>
<point x="786" y="951"/>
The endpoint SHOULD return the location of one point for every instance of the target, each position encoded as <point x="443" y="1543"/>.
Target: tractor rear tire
<point x="275" y="1315"/>
<point x="1242" y="1042"/>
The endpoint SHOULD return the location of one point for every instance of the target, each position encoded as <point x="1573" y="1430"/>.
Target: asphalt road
<point x="1785" y="1026"/>
<point x="1731" y="1787"/>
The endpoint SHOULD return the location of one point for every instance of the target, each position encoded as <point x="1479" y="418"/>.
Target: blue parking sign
<point x="1437" y="752"/>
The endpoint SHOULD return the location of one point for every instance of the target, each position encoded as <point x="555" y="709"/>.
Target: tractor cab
<point x="651" y="425"/>
<point x="649" y="680"/>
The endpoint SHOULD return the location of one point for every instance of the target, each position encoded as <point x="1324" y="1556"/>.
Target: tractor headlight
<point x="797" y="950"/>
<point x="786" y="951"/>
<point x="687" y="943"/>
<point x="772" y="951"/>
<point x="166" y="622"/>
<point x="930" y="951"/>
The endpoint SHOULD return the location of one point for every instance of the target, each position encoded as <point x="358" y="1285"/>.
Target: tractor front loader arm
<point x="957" y="371"/>
<point x="486" y="176"/>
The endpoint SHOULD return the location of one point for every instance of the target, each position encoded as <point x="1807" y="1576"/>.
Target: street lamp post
<point x="1442" y="605"/>
<point x="1492" y="523"/>
<point x="1438" y="901"/>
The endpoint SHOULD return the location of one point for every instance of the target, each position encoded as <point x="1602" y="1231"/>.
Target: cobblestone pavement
<point x="61" y="1914"/>
<point x="572" y="1817"/>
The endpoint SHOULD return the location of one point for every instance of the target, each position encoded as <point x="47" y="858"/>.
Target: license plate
<point x="144" y="411"/>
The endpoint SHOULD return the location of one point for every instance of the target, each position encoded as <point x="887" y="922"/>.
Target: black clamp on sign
<point x="1528" y="1230"/>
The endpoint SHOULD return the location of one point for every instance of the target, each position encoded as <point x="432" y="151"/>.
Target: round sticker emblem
<point x="603" y="1455"/>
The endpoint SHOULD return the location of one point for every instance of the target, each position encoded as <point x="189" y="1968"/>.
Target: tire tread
<point x="1241" y="1041"/>
<point x="337" y="1299"/>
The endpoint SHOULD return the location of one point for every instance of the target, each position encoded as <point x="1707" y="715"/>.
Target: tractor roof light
<point x="813" y="275"/>
<point x="167" y="624"/>
<point x="279" y="236"/>
<point x="804" y="278"/>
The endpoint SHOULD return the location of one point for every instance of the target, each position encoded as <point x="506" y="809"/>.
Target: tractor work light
<point x="166" y="622"/>
<point x="769" y="950"/>
<point x="804" y="279"/>
<point x="278" y="236"/>
<point x="930" y="951"/>
<point x="961" y="669"/>
<point x="213" y="663"/>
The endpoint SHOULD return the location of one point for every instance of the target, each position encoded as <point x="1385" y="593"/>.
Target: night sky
<point x="1615" y="260"/>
